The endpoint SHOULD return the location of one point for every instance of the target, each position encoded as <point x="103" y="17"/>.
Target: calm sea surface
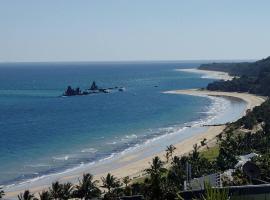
<point x="42" y="132"/>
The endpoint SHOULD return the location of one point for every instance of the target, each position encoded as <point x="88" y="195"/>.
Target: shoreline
<point x="133" y="165"/>
<point x="186" y="145"/>
<point x="251" y="99"/>
<point x="209" y="74"/>
<point x="135" y="169"/>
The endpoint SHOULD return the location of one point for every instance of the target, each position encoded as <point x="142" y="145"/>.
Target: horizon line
<point x="136" y="61"/>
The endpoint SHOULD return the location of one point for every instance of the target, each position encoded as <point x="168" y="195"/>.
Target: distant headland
<point x="94" y="89"/>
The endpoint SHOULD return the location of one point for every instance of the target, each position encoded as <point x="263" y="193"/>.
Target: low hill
<point x="240" y="69"/>
<point x="254" y="77"/>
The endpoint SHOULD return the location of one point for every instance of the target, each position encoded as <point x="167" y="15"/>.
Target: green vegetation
<point x="45" y="195"/>
<point x="112" y="184"/>
<point x="162" y="183"/>
<point x="254" y="77"/>
<point x="26" y="196"/>
<point x="158" y="184"/>
<point x="87" y="188"/>
<point x="250" y="134"/>
<point x="169" y="152"/>
<point x="211" y="153"/>
<point x="233" y="142"/>
<point x="215" y="193"/>
<point x="2" y="193"/>
<point x="252" y="69"/>
<point x="140" y="179"/>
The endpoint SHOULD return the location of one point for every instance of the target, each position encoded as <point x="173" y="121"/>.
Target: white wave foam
<point x="175" y="130"/>
<point x="48" y="175"/>
<point x="89" y="150"/>
<point x="217" y="106"/>
<point x="206" y="74"/>
<point x="64" y="158"/>
<point x="112" y="143"/>
<point x="131" y="136"/>
<point x="108" y="158"/>
<point x="37" y="165"/>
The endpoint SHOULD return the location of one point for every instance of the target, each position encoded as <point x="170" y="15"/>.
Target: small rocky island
<point x="94" y="89"/>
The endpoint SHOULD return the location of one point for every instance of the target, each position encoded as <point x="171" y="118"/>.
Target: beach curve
<point x="186" y="145"/>
<point x="135" y="169"/>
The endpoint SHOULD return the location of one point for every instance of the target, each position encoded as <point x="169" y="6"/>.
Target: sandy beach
<point x="136" y="168"/>
<point x="134" y="100"/>
<point x="250" y="99"/>
<point x="209" y="74"/>
<point x="134" y="164"/>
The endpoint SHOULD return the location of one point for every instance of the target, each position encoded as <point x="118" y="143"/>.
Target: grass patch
<point x="140" y="179"/>
<point x="211" y="153"/>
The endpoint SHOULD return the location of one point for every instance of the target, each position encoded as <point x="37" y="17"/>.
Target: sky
<point x="133" y="30"/>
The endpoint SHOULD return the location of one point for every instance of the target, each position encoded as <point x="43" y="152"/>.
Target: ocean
<point x="43" y="133"/>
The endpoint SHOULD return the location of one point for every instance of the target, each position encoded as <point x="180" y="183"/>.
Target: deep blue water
<point x="41" y="132"/>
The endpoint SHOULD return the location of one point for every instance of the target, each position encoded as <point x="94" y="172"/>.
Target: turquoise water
<point x="43" y="133"/>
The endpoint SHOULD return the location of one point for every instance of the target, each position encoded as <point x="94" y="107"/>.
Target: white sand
<point x="252" y="100"/>
<point x="186" y="146"/>
<point x="136" y="168"/>
<point x="129" y="167"/>
<point x="209" y="74"/>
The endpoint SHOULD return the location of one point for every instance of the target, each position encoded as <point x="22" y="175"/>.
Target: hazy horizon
<point x="98" y="31"/>
<point x="137" y="61"/>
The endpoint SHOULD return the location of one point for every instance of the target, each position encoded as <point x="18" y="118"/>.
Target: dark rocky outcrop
<point x="94" y="89"/>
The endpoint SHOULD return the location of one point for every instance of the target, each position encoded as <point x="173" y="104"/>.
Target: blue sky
<point x="106" y="30"/>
